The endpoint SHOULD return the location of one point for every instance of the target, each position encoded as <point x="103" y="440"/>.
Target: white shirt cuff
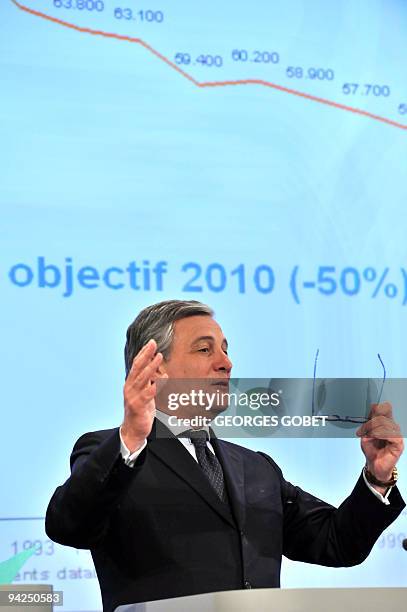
<point x="129" y="458"/>
<point x="383" y="498"/>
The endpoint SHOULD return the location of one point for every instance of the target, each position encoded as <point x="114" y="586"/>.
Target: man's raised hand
<point x="139" y="396"/>
<point x="381" y="441"/>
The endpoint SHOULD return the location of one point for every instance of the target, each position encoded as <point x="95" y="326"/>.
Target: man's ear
<point x="162" y="369"/>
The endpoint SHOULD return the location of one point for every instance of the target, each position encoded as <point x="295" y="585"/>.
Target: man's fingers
<point x="395" y="445"/>
<point x="381" y="415"/>
<point x="383" y="433"/>
<point x="379" y="427"/>
<point x="384" y="409"/>
<point x="148" y="349"/>
<point x="148" y="346"/>
<point x="147" y="394"/>
<point x="142" y="358"/>
<point x="148" y="372"/>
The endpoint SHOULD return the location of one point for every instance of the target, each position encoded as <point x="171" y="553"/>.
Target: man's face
<point x="198" y="363"/>
<point x="199" y="350"/>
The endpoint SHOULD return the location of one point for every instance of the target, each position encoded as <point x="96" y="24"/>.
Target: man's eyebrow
<point x="211" y="338"/>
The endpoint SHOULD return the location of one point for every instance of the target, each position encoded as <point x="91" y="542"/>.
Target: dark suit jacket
<point x="158" y="530"/>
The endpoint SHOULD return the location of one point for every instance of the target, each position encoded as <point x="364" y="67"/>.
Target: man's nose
<point x="223" y="362"/>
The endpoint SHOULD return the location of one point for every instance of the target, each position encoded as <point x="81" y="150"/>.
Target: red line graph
<point x="203" y="84"/>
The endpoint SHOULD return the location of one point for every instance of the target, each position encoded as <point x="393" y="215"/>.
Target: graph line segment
<point x="208" y="84"/>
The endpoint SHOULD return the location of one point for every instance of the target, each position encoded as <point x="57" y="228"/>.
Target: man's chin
<point x="215" y="410"/>
<point x="202" y="413"/>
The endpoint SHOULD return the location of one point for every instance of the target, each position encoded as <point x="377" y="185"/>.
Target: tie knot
<point x="199" y="437"/>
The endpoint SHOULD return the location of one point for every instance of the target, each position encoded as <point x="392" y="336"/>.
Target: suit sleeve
<point x="79" y="511"/>
<point x="317" y="532"/>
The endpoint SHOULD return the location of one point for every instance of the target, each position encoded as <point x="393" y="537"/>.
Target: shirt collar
<point x="177" y="430"/>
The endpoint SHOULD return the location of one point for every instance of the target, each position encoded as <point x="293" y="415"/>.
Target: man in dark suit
<point x="166" y="516"/>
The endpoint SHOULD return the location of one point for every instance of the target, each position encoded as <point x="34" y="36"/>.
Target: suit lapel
<point x="164" y="445"/>
<point x="233" y="471"/>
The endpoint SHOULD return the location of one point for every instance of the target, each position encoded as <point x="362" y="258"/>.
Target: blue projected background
<point x="249" y="155"/>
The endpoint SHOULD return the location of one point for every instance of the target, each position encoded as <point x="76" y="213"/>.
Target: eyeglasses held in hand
<point x="336" y="418"/>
